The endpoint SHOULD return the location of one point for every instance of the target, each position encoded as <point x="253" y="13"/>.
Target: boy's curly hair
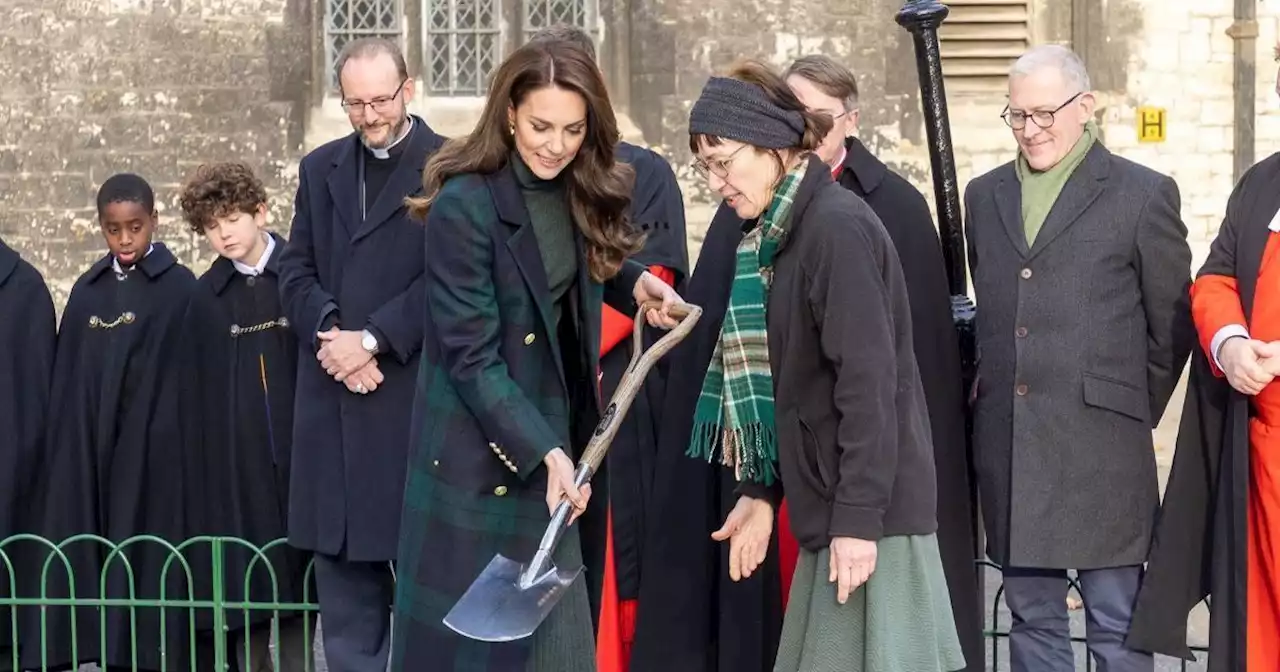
<point x="219" y="190"/>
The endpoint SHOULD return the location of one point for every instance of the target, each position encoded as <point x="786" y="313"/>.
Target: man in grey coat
<point x="1081" y="269"/>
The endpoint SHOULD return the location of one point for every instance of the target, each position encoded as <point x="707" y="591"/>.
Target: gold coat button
<point x="528" y="339"/>
<point x="500" y="491"/>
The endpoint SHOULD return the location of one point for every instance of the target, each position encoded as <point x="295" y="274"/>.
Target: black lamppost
<point x="922" y="19"/>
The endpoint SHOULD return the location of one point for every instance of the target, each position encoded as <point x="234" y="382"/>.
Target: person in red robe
<point x="1219" y="530"/>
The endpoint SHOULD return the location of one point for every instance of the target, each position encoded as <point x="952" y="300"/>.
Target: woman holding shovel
<point x="800" y="377"/>
<point x="527" y="235"/>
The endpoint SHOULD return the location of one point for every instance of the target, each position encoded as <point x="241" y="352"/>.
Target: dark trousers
<point x="355" y="613"/>
<point x="1040" y="637"/>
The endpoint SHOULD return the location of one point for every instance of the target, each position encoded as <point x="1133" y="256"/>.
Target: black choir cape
<point x="657" y="210"/>
<point x="112" y="463"/>
<point x="237" y="417"/>
<point x="1199" y="548"/>
<point x="905" y="215"/>
<point x="28" y="328"/>
<point x="691" y="617"/>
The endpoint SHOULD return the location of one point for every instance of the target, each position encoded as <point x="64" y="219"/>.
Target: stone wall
<point x="1171" y="54"/>
<point x="677" y="44"/>
<point x="94" y="87"/>
<point x="156" y="86"/>
<point x="1182" y="62"/>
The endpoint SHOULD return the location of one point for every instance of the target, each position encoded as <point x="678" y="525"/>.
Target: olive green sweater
<point x="548" y="204"/>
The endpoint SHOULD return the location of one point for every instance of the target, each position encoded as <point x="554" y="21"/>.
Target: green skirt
<point x="898" y="621"/>
<point x="565" y="642"/>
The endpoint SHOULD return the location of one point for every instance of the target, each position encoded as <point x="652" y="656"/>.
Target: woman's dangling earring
<point x="512" y="130"/>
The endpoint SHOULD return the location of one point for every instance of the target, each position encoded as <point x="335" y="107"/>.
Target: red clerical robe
<point x="1215" y="305"/>
<point x="1219" y="530"/>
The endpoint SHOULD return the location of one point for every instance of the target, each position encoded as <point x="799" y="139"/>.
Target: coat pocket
<point x="816" y="472"/>
<point x="1117" y="396"/>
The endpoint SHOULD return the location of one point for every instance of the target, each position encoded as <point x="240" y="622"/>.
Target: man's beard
<point x="395" y="129"/>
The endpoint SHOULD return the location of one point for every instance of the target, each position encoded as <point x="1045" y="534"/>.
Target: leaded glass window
<point x="346" y="20"/>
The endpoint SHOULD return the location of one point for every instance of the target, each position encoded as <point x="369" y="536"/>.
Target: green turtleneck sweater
<point x="548" y="204"/>
<point x="1040" y="189"/>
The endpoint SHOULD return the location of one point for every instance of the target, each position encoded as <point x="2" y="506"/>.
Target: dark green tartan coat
<point x="498" y="389"/>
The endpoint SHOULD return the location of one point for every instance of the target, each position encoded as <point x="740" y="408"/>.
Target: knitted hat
<point x="737" y="110"/>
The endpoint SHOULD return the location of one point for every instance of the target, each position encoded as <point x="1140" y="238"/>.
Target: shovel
<point x="510" y="599"/>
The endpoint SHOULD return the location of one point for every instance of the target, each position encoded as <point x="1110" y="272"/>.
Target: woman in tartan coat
<point x="526" y="236"/>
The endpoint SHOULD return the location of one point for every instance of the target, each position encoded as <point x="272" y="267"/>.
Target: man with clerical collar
<point x="351" y="283"/>
<point x="823" y="84"/>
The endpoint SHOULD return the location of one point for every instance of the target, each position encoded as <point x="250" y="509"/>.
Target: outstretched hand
<point x="747" y="528"/>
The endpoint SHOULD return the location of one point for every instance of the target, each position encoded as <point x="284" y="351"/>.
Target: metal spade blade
<point x="509" y="600"/>
<point x="496" y="608"/>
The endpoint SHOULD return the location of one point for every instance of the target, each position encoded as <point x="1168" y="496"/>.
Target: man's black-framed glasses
<point x="1017" y="120"/>
<point x="381" y="104"/>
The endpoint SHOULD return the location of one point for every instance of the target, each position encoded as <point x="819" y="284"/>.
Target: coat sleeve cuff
<point x="328" y="320"/>
<point x="619" y="291"/>
<point x="769" y="493"/>
<point x="858" y="522"/>
<point x="1219" y="338"/>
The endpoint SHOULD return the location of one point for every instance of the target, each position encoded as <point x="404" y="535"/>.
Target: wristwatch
<point x="369" y="342"/>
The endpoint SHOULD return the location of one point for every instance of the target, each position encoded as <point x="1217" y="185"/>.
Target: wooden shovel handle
<point x="632" y="380"/>
<point x="607" y="428"/>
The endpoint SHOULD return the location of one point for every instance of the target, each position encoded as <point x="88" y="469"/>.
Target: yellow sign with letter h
<point x="1151" y="124"/>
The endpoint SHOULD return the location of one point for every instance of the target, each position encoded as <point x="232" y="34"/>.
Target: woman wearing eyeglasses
<point x="800" y="378"/>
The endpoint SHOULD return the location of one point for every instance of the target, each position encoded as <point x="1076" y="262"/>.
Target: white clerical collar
<point x="258" y="268"/>
<point x="120" y="272"/>
<point x="385" y="152"/>
<point x="1275" y="222"/>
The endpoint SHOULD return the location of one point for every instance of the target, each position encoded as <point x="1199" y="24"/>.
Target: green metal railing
<point x="217" y="608"/>
<point x="39" y="553"/>
<point x="995" y="633"/>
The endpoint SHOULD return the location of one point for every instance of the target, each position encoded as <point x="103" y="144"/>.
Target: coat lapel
<point x="343" y="184"/>
<point x="1081" y="190"/>
<point x="405" y="181"/>
<point x="1009" y="204"/>
<point x="523" y="245"/>
<point x="862" y="171"/>
<point x="590" y="301"/>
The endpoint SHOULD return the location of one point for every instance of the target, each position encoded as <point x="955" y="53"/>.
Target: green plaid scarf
<point x="735" y="408"/>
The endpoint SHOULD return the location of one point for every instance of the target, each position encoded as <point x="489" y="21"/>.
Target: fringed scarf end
<point x="751" y="451"/>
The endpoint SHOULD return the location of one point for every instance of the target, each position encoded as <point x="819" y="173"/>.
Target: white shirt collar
<point x="120" y="272"/>
<point x="257" y="269"/>
<point x="844" y="154"/>
<point x="1275" y="222"/>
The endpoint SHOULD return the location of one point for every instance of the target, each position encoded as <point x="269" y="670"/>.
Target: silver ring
<point x="360" y="388"/>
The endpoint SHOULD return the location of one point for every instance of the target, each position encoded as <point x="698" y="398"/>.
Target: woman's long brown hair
<point x="599" y="188"/>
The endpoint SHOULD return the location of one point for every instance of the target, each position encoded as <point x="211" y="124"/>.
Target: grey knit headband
<point x="736" y="110"/>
